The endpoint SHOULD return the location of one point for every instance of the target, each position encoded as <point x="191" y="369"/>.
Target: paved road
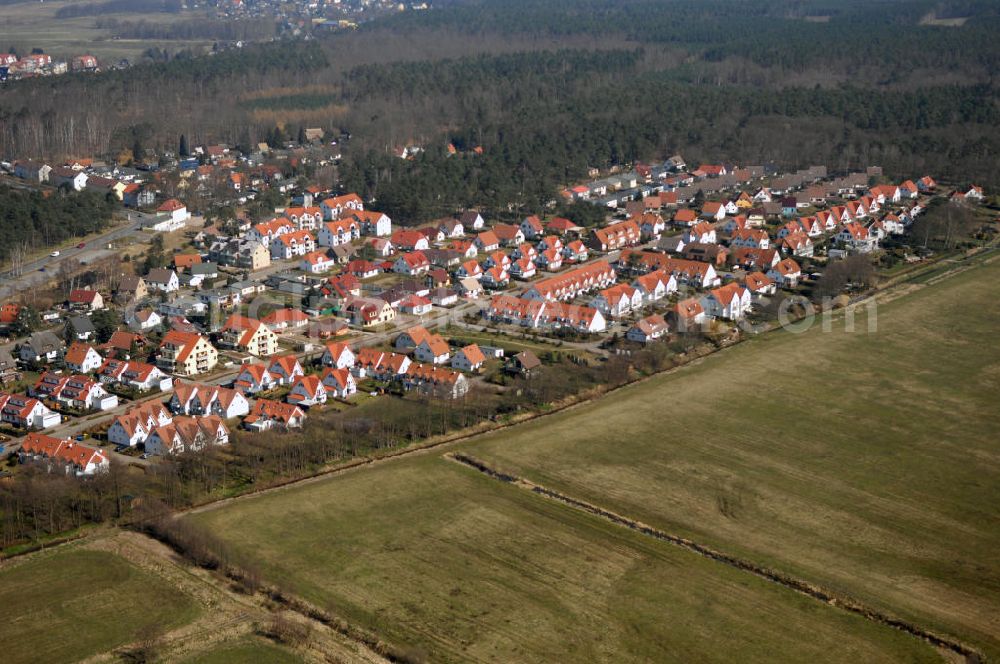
<point x="40" y="270"/>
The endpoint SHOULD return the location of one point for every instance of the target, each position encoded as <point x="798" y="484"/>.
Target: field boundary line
<point x="781" y="578"/>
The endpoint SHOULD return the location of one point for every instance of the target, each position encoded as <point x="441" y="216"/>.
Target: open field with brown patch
<point x="867" y="463"/>
<point x="863" y="463"/>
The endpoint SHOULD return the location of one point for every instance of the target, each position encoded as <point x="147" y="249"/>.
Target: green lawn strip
<point x="72" y="603"/>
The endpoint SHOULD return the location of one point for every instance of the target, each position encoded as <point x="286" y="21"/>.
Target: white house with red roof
<point x="339" y="206"/>
<point x="267" y="414"/>
<point x="730" y="302"/>
<point x="254" y="378"/>
<point x="307" y="391"/>
<point x="171" y="216"/>
<point x="24" y="412"/>
<point x="317" y="262"/>
<point x="648" y="329"/>
<point x="786" y="273"/>
<point x="75" y="458"/>
<point x="412" y="264"/>
<point x="82" y="358"/>
<point x="85" y="299"/>
<point x="291" y="245"/>
<point x="339" y="383"/>
<point x="338" y="355"/>
<point x="618" y="300"/>
<point x="469" y="358"/>
<point x="285" y="369"/>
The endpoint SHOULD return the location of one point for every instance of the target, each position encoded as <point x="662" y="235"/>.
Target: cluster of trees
<point x="44" y="116"/>
<point x="542" y="128"/>
<point x="29" y="219"/>
<point x="715" y="80"/>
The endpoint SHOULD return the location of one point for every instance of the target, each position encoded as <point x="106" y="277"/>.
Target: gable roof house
<point x="77" y="459"/>
<point x="163" y="279"/>
<point x="618" y="300"/>
<point x="338" y="355"/>
<point x="187" y="434"/>
<point x="508" y="235"/>
<point x="655" y="285"/>
<point x="703" y="232"/>
<point x="338" y="206"/>
<point x="41" y="347"/>
<point x="186" y="353"/>
<point x="285" y="369"/>
<point x="488" y="241"/>
<point x="412" y="264"/>
<point x="307" y="391"/>
<point x="249" y="335"/>
<point x="433" y="349"/>
<point x="409" y="240"/>
<point x="435" y="381"/>
<point x="82" y="358"/>
<point x="289" y="245"/>
<point x="469" y="358"/>
<point x="648" y="329"/>
<point x="786" y="273"/>
<point x="730" y="302"/>
<point x="336" y="233"/>
<point x="339" y="383"/>
<point x="24" y="412"/>
<point x="267" y="414"/>
<point x="254" y="378"/>
<point x="713" y="210"/>
<point x="85" y="299"/>
<point x="616" y="236"/>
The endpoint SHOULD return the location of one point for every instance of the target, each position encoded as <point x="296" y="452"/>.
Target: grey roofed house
<point x="525" y="362"/>
<point x="470" y="218"/>
<point x="41" y="345"/>
<point x="673" y="244"/>
<point x="81" y="327"/>
<point x="443" y="257"/>
<point x="204" y="270"/>
<point x="160" y="276"/>
<point x="130" y="283"/>
<point x="8" y="367"/>
<point x="342" y="252"/>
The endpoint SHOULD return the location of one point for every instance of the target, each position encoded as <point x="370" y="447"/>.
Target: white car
<point x="54" y="254"/>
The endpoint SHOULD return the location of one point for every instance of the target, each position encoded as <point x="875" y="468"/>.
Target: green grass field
<point x="249" y="650"/>
<point x="867" y="463"/>
<point x="70" y="604"/>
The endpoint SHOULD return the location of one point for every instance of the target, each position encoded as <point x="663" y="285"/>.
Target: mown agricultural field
<point x="72" y="604"/>
<point x="866" y="463"/>
<point x="453" y="566"/>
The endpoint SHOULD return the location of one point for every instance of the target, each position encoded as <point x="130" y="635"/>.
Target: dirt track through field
<point x="971" y="655"/>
